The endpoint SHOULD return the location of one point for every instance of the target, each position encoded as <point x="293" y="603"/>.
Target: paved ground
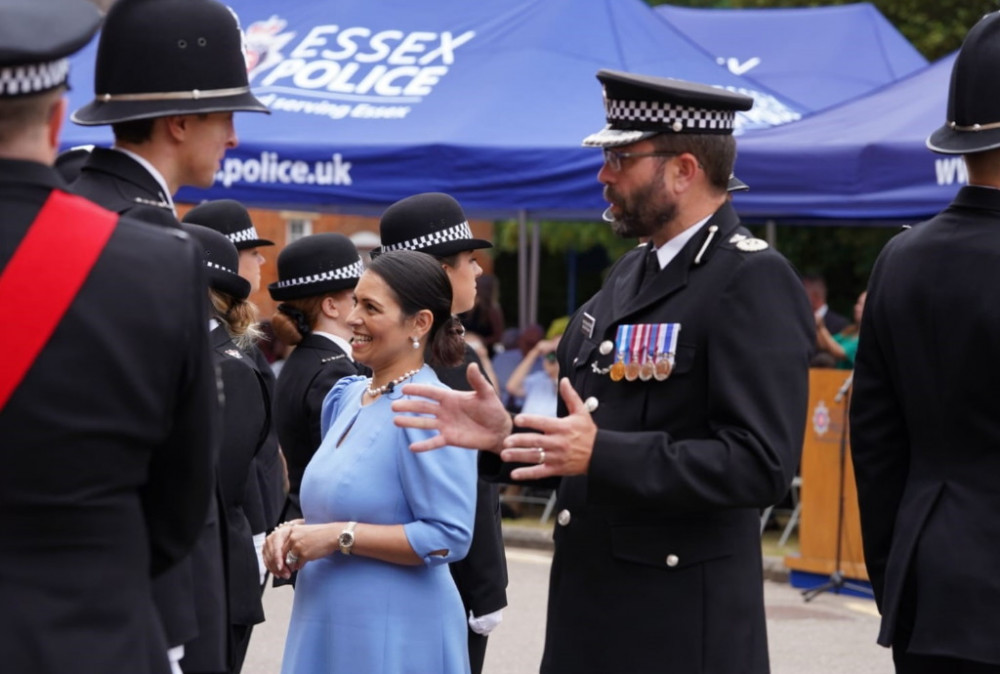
<point x="830" y="635"/>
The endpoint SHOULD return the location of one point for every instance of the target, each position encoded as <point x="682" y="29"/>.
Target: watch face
<point x="346" y="539"/>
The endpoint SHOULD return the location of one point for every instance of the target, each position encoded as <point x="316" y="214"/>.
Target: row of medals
<point x="654" y="366"/>
<point x="650" y="350"/>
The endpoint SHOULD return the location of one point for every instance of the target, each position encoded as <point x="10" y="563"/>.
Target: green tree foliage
<point x="934" y="27"/>
<point x="844" y="255"/>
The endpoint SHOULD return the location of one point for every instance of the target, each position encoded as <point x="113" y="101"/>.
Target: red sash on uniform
<point x="44" y="275"/>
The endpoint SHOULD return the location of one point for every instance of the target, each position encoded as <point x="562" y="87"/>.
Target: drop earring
<point x="415" y="342"/>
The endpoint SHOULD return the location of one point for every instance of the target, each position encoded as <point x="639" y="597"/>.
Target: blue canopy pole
<point x="571" y="281"/>
<point x="535" y="255"/>
<point x="522" y="269"/>
<point x="771" y="233"/>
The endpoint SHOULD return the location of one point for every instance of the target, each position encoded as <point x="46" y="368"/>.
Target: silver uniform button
<point x="606" y="347"/>
<point x="591" y="404"/>
<point x="563" y="518"/>
<point x="673" y="560"/>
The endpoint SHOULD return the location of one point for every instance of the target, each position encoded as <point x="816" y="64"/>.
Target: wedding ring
<point x="541" y="455"/>
<point x="291" y="559"/>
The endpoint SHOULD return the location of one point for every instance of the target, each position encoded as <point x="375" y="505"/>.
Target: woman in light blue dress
<point x="381" y="523"/>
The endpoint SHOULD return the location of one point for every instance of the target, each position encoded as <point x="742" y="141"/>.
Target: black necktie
<point x="651" y="267"/>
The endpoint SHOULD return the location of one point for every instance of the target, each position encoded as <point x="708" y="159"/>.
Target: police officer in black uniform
<point x="925" y="415"/>
<point x="109" y="430"/>
<point x="246" y="422"/>
<point x="266" y="491"/>
<point x="315" y="288"/>
<point x="684" y="394"/>
<point x="170" y="74"/>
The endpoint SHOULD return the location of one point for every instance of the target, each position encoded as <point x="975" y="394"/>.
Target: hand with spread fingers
<point x="562" y="446"/>
<point x="473" y="419"/>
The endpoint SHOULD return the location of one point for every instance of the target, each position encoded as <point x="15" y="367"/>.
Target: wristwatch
<point x="346" y="538"/>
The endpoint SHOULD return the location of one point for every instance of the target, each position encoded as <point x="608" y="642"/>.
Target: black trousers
<point x="477" y="651"/>
<point x="239" y="642"/>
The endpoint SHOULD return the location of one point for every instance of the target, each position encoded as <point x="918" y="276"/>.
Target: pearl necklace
<point x="387" y="388"/>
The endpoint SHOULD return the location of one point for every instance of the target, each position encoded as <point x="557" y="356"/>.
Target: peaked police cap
<point x="36" y="36"/>
<point x="641" y="106"/>
<point x="168" y="57"/>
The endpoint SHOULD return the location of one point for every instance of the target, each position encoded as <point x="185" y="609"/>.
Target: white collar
<point x="669" y="250"/>
<point x="165" y="195"/>
<point x="344" y="345"/>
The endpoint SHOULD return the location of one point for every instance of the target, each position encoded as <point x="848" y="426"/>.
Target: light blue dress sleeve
<point x="331" y="403"/>
<point x="440" y="488"/>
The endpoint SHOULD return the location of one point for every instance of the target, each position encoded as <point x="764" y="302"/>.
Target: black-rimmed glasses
<point x="613" y="158"/>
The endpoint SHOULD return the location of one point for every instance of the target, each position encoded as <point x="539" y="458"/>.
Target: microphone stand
<point x="837" y="580"/>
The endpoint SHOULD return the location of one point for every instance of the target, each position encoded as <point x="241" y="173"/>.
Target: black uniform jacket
<point x="925" y="430"/>
<point x="244" y="429"/>
<point x="309" y="373"/>
<point x="119" y="183"/>
<point x="481" y="577"/>
<point x="657" y="563"/>
<point x="108" y="447"/>
<point x="269" y="490"/>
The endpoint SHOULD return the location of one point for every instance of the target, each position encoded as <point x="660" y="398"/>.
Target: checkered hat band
<point x="457" y="233"/>
<point x="350" y="271"/>
<point x="667" y="114"/>
<point x="33" y="78"/>
<point x="213" y="265"/>
<point x="249" y="234"/>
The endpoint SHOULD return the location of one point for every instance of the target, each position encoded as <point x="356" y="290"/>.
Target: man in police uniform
<point x="170" y="74"/>
<point x="925" y="418"/>
<point x="693" y="364"/>
<point x="112" y="416"/>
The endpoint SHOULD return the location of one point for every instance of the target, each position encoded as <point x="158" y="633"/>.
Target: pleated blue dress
<point x="354" y="614"/>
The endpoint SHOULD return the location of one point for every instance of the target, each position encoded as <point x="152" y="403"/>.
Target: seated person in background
<point x="843" y="345"/>
<point x="506" y="362"/>
<point x="538" y="390"/>
<point x="815" y="287"/>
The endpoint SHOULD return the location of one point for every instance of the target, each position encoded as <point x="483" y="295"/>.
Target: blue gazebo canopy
<point x="374" y="100"/>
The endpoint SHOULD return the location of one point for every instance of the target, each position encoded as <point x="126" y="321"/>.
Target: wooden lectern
<point x="821" y="485"/>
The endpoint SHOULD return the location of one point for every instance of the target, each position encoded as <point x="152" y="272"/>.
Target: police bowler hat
<point x="222" y="261"/>
<point x="231" y="218"/>
<point x="432" y="223"/>
<point x="168" y="57"/>
<point x="316" y="264"/>
<point x="973" y="122"/>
